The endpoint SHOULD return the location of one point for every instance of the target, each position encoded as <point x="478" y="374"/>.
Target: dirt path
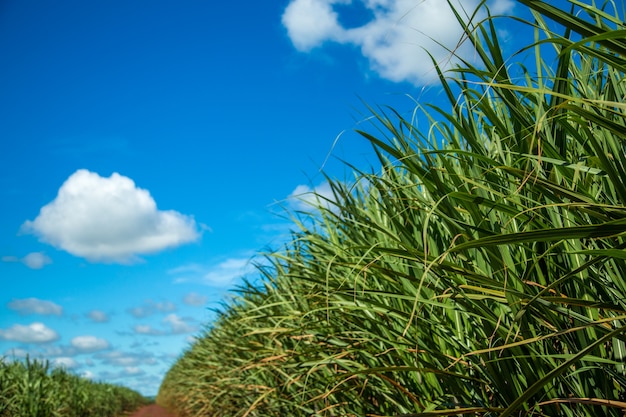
<point x="152" y="411"/>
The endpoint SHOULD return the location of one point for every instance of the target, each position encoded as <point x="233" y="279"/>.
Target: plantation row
<point x="32" y="389"/>
<point x="479" y="271"/>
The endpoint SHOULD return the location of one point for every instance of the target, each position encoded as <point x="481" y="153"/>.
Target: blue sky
<point x="148" y="148"/>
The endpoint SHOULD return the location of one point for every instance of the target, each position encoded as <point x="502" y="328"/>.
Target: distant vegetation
<point x="32" y="389"/>
<point x="480" y="270"/>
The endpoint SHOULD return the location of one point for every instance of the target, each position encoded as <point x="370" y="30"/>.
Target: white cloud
<point x="165" y="306"/>
<point x="178" y="325"/>
<point x="221" y="275"/>
<point x="87" y="375"/>
<point x="127" y="372"/>
<point x="147" y="330"/>
<point x="98" y="316"/>
<point x="303" y="197"/>
<point x="194" y="299"/>
<point x="312" y="22"/>
<point x="87" y="344"/>
<point x="132" y="371"/>
<point x="64" y="362"/>
<point x="174" y="323"/>
<point x="395" y="40"/>
<point x="225" y="273"/>
<point x="501" y="6"/>
<point x="34" y="260"/>
<point x="35" y="306"/>
<point x="125" y="359"/>
<point x="109" y="220"/>
<point x="140" y="312"/>
<point x="150" y="307"/>
<point x="17" y="353"/>
<point x="33" y="333"/>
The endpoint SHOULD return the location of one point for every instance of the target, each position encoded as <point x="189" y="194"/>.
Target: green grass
<point x="32" y="389"/>
<point x="479" y="270"/>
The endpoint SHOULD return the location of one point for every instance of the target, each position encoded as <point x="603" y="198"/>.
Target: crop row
<point x="479" y="270"/>
<point x="32" y="389"/>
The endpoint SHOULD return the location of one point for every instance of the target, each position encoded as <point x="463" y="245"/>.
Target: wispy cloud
<point x="174" y="324"/>
<point x="151" y="307"/>
<point x="32" y="333"/>
<point x="79" y="345"/>
<point x="305" y="197"/>
<point x="396" y="38"/>
<point x="125" y="359"/>
<point x="109" y="220"/>
<point x="194" y="299"/>
<point x="147" y="330"/>
<point x="27" y="306"/>
<point x="98" y="316"/>
<point x="128" y="371"/>
<point x="179" y="325"/>
<point x="222" y="274"/>
<point x="34" y="260"/>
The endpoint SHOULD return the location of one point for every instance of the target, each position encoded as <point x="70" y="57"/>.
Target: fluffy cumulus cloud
<point x="109" y="220"/>
<point x="35" y="306"/>
<point x="89" y="344"/>
<point x="32" y="333"/>
<point x="311" y="22"/>
<point x="395" y="39"/>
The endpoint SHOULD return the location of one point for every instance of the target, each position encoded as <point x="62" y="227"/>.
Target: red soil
<point x="152" y="411"/>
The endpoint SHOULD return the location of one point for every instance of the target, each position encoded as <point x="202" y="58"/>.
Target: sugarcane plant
<point x="32" y="388"/>
<point x="479" y="270"/>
